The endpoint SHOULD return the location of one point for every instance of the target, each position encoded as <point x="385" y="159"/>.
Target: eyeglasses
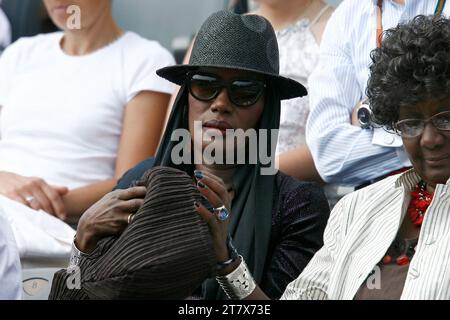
<point x="412" y="128"/>
<point x="241" y="92"/>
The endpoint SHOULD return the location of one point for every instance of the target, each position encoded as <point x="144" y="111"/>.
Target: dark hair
<point x="412" y="66"/>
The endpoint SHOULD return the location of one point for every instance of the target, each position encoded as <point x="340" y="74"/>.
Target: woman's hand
<point x="34" y="193"/>
<point x="215" y="191"/>
<point x="109" y="216"/>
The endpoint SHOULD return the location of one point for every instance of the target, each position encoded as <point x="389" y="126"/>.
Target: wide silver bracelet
<point x="75" y="255"/>
<point x="239" y="284"/>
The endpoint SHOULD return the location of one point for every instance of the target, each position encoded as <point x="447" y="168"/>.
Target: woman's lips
<point x="210" y="129"/>
<point x="215" y="125"/>
<point x="437" y="160"/>
<point x="60" y="10"/>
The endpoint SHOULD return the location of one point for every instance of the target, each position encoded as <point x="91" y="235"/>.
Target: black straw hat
<point x="243" y="42"/>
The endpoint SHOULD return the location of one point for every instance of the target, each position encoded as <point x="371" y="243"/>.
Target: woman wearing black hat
<point x="231" y="82"/>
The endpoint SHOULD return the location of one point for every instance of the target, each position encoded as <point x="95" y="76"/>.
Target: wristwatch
<point x="364" y="116"/>
<point x="232" y="252"/>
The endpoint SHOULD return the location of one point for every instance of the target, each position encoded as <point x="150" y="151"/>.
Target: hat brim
<point x="287" y="88"/>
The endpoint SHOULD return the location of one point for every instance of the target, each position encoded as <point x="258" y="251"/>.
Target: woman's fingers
<point x="140" y="183"/>
<point x="213" y="182"/>
<point x="210" y="195"/>
<point x="217" y="229"/>
<point x="133" y="205"/>
<point x="216" y="185"/>
<point x="41" y="200"/>
<point x="123" y="222"/>
<point x="110" y="215"/>
<point x="122" y="216"/>
<point x="209" y="175"/>
<point x="206" y="215"/>
<point x="38" y="195"/>
<point x="62" y="191"/>
<point x="35" y="204"/>
<point x="19" y="198"/>
<point x="132" y="193"/>
<point x="56" y="200"/>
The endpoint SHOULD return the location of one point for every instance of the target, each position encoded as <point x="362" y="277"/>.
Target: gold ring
<point x="130" y="218"/>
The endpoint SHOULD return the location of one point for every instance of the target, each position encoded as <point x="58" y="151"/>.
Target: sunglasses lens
<point x="241" y="92"/>
<point x="245" y="92"/>
<point x="204" y="87"/>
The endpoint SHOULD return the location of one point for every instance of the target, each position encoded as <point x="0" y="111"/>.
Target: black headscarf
<point x="251" y="212"/>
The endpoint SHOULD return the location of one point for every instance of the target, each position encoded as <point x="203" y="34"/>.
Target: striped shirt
<point x="360" y="230"/>
<point x="344" y="153"/>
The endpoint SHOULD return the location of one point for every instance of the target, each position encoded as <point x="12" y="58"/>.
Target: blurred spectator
<point x="5" y="30"/>
<point x="10" y="271"/>
<point x="299" y="25"/>
<point x="79" y="108"/>
<point x="345" y="153"/>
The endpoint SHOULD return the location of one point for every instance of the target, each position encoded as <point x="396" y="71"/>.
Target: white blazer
<point x="360" y="230"/>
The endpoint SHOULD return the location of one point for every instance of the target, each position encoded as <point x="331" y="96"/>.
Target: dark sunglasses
<point x="241" y="92"/>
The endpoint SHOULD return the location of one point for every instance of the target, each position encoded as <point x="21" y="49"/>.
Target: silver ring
<point x="29" y="199"/>
<point x="222" y="213"/>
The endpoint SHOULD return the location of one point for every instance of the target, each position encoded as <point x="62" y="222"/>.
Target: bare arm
<point x="142" y="129"/>
<point x="79" y="200"/>
<point x="299" y="163"/>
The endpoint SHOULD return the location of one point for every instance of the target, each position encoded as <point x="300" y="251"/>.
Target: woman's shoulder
<point x="136" y="44"/>
<point x="300" y="205"/>
<point x="24" y="50"/>
<point x="40" y="42"/>
<point x="293" y="190"/>
<point x="288" y="183"/>
<point x="376" y="191"/>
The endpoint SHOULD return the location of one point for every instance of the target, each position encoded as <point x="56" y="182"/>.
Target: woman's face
<point x="430" y="151"/>
<point x="221" y="113"/>
<point x="90" y="11"/>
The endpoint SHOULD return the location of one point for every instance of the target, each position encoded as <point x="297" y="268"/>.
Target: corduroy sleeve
<point x="63" y="287"/>
<point x="67" y="284"/>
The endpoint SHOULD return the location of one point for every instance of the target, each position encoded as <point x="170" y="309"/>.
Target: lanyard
<point x="439" y="7"/>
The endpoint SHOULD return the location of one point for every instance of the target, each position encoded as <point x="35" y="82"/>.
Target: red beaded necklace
<point x="420" y="201"/>
<point x="402" y="250"/>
